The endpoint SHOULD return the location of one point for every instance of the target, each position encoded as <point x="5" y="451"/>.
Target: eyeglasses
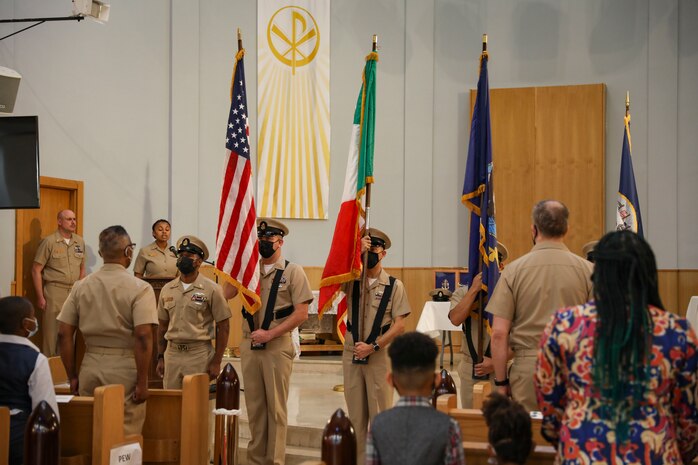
<point x="130" y="247"/>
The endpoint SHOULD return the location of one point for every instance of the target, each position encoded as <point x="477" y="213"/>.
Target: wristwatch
<point x="376" y="347"/>
<point x="504" y="382"/>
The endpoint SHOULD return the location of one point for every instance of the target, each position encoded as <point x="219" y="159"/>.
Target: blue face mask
<point x="36" y="327"/>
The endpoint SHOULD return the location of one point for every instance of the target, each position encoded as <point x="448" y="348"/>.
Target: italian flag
<point x="344" y="260"/>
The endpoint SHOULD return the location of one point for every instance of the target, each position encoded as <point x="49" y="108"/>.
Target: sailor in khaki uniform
<point x="115" y="313"/>
<point x="157" y="259"/>
<point x="267" y="350"/>
<point x="462" y="302"/>
<point x="528" y="292"/>
<point x="187" y="309"/>
<point x="365" y="363"/>
<point x="58" y="263"/>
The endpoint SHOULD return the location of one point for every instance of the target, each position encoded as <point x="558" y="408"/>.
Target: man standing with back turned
<point x="115" y="312"/>
<point x="529" y="290"/>
<point x="58" y="263"/>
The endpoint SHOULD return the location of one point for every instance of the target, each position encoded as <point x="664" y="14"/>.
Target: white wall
<point x="102" y="96"/>
<point x="137" y="109"/>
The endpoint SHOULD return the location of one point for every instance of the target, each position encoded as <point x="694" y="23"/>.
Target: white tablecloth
<point x="434" y="319"/>
<point x="312" y="308"/>
<point x="692" y="313"/>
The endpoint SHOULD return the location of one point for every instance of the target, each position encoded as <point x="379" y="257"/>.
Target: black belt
<point x="279" y="314"/>
<point x="376" y="329"/>
<point x="384" y="329"/>
<point x="269" y="313"/>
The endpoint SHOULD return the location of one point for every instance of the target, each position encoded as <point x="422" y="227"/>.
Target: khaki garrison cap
<point x="192" y="244"/>
<point x="440" y="295"/>
<point x="588" y="248"/>
<point x="268" y="227"/>
<point x="379" y="238"/>
<point x="503" y="252"/>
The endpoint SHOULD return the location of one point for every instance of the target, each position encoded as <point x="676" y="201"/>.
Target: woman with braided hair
<point x="616" y="377"/>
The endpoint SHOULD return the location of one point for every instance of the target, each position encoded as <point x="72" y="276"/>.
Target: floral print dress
<point x="663" y="428"/>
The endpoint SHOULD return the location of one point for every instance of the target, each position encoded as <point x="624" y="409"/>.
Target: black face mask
<point x="266" y="249"/>
<point x="185" y="265"/>
<point x="373" y="260"/>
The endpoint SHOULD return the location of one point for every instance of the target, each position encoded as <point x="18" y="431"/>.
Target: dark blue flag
<point x="628" y="205"/>
<point x="478" y="191"/>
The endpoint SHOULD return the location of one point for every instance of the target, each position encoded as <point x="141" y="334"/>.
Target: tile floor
<point x="312" y="399"/>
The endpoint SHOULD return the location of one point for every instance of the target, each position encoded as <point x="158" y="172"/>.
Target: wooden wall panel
<point x="687" y="288"/>
<point x="669" y="290"/>
<point x="548" y="142"/>
<point x="513" y="151"/>
<point x="569" y="166"/>
<point x="675" y="286"/>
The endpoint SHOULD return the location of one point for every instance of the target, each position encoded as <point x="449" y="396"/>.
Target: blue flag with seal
<point x="628" y="205"/>
<point x="478" y="191"/>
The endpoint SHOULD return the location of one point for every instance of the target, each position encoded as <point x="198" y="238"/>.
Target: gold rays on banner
<point x="293" y="105"/>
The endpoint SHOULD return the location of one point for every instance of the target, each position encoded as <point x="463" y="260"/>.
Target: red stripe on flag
<point x="227" y="183"/>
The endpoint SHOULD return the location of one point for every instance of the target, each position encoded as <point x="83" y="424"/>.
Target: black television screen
<point x="19" y="162"/>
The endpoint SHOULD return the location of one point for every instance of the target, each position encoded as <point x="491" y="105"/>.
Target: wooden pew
<point x="58" y="373"/>
<point x="91" y="426"/>
<point x="481" y="390"/>
<point x="4" y="435"/>
<point x="474" y="433"/>
<point x="176" y="424"/>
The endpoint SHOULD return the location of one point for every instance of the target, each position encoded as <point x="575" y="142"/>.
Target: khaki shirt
<point x="455" y="299"/>
<point x="107" y="305"/>
<point x="397" y="306"/>
<point x="294" y="289"/>
<point x="191" y="313"/>
<point x="61" y="261"/>
<point x="153" y="262"/>
<point x="533" y="287"/>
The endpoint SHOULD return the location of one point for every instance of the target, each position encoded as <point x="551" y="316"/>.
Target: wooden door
<point x="548" y="143"/>
<point x="32" y="225"/>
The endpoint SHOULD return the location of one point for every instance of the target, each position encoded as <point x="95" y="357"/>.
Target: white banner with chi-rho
<point x="293" y="107"/>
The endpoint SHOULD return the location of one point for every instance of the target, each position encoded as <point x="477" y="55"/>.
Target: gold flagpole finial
<point x="484" y="42"/>
<point x="374" y="45"/>
<point x="627" y="102"/>
<point x="239" y="39"/>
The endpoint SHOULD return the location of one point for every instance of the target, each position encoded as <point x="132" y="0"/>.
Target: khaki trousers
<point x="465" y="373"/>
<point x="179" y="364"/>
<point x="102" y="366"/>
<point x="366" y="391"/>
<point x="266" y="375"/>
<point x="521" y="379"/>
<point x="55" y="295"/>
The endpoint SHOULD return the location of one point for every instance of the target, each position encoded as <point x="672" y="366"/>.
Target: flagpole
<point x="239" y="40"/>
<point x="481" y="299"/>
<point x="627" y="103"/>
<point x="364" y="268"/>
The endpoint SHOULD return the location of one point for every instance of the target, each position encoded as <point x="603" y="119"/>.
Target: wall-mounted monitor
<point x="19" y="162"/>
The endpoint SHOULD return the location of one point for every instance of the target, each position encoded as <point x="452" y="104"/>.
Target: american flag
<point x="236" y="240"/>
